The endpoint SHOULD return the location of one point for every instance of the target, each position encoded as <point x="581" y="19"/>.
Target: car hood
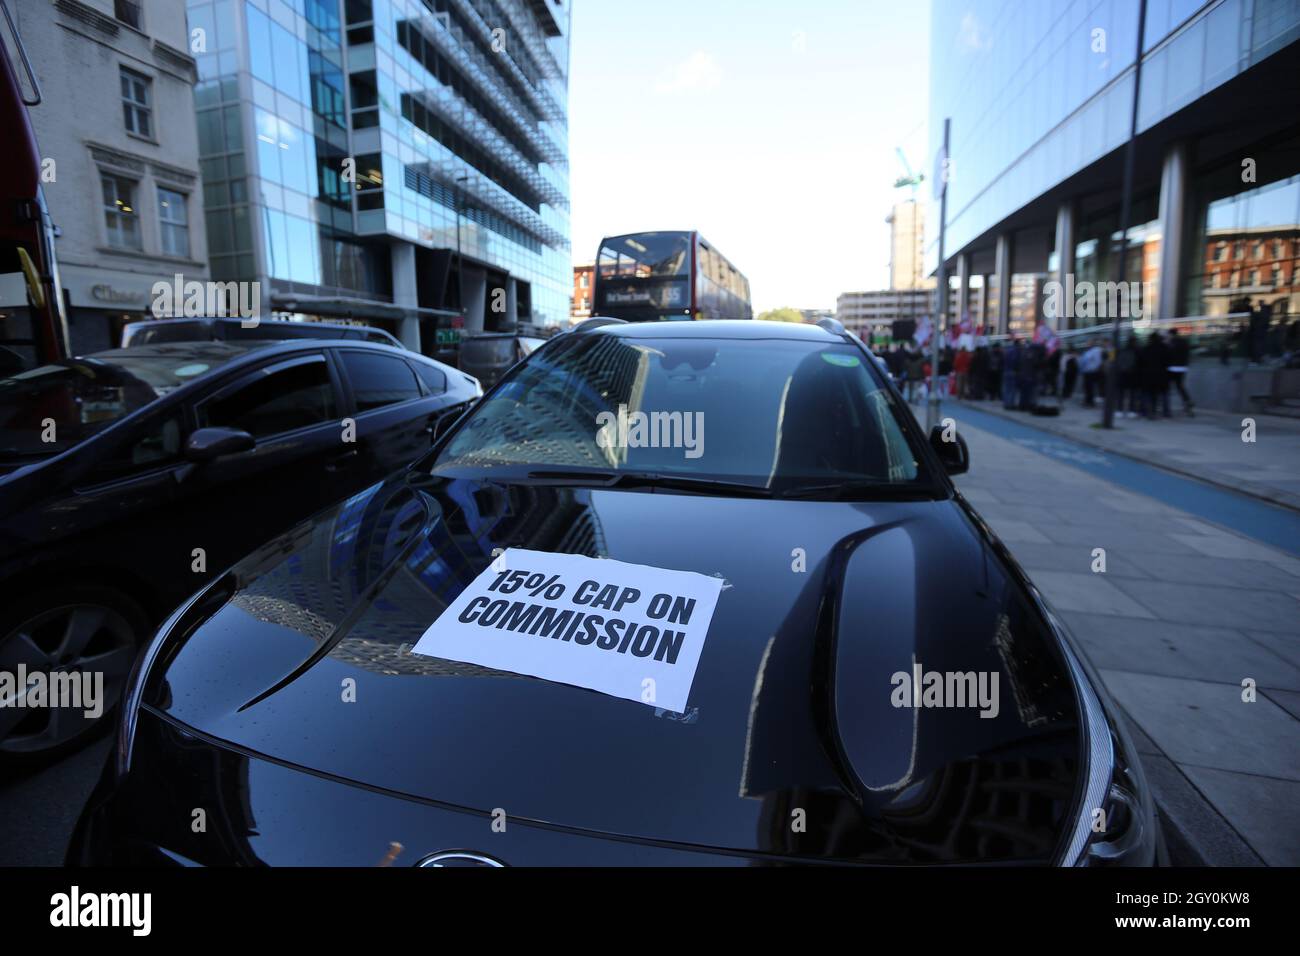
<point x="793" y="741"/>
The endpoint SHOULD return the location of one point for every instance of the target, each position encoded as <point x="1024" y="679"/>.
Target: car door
<point x="293" y="409"/>
<point x="123" y="507"/>
<point x="395" y="416"/>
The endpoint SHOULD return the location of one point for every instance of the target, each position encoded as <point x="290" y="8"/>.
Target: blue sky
<point x="769" y="126"/>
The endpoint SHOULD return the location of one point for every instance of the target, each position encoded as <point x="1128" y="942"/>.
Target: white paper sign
<point x="627" y="630"/>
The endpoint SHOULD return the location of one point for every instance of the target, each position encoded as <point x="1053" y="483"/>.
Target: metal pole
<point x="1125" y="210"/>
<point x="460" y="260"/>
<point x="941" y="299"/>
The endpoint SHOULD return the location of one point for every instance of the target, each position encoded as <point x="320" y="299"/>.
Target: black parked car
<point x="129" y="478"/>
<point x="228" y="329"/>
<point x="489" y="355"/>
<point x="286" y="699"/>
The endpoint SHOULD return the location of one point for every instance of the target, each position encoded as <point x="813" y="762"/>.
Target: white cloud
<point x="699" y="71"/>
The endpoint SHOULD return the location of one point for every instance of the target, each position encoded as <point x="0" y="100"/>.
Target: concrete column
<point x="982" y="302"/>
<point x="475" y="299"/>
<point x="963" y="286"/>
<point x="1173" y="208"/>
<point x="1064" y="257"/>
<point x="405" y="293"/>
<point x="1002" y="268"/>
<point x="512" y="303"/>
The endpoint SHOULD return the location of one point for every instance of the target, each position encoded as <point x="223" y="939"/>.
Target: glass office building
<point x="1040" y="97"/>
<point x="398" y="162"/>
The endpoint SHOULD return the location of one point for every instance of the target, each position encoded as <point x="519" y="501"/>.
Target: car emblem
<point x="459" y="858"/>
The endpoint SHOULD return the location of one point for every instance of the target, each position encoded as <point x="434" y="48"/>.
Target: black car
<point x="228" y="329"/>
<point x="489" y="355"/>
<point x="287" y="699"/>
<point x="130" y="478"/>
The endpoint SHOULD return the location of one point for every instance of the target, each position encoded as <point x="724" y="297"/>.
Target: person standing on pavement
<point x="1179" y="356"/>
<point x="1153" y="375"/>
<point x="979" y="371"/>
<point x="1071" y="362"/>
<point x="961" y="368"/>
<point x="1010" y="373"/>
<point x="915" y="373"/>
<point x="1032" y="359"/>
<point x="1090" y="363"/>
<point x="1126" y="367"/>
<point x="993" y="381"/>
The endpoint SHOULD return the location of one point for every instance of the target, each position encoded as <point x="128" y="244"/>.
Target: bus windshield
<point x="646" y="254"/>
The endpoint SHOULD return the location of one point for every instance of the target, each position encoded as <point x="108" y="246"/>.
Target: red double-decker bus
<point x="657" y="276"/>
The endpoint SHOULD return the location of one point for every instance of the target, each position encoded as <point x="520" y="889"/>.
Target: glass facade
<point x="1244" y="239"/>
<point x="333" y="133"/>
<point x="1039" y="91"/>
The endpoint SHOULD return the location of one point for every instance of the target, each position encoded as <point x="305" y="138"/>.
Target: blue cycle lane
<point x="1268" y="523"/>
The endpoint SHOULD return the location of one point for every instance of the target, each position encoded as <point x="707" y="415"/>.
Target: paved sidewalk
<point x="1208" y="447"/>
<point x="1172" y="648"/>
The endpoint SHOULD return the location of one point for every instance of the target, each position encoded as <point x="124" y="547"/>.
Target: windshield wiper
<point x="860" y="490"/>
<point x="647" y="479"/>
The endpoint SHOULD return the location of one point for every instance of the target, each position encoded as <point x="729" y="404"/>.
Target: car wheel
<point x="74" y="631"/>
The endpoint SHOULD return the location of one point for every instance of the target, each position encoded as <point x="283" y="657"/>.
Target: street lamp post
<point x="460" y="259"/>
<point x="1125" y="203"/>
<point x="941" y="299"/>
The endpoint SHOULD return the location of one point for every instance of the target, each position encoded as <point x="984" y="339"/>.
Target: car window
<point x="434" y="379"/>
<point x="159" y="444"/>
<point x="768" y="412"/>
<point x="379" y="380"/>
<point x="280" y="401"/>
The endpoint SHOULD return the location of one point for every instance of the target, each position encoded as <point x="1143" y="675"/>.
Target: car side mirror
<point x="951" y="449"/>
<point x="206" y="444"/>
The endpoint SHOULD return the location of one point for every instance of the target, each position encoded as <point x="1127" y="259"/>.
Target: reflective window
<point x="282" y="401"/>
<point x="121" y="218"/>
<point x="771" y="413"/>
<point x="434" y="379"/>
<point x="379" y="380"/>
<point x="137" y="111"/>
<point x="129" y="12"/>
<point x="173" y="223"/>
<point x="158" y="445"/>
<point x="646" y="254"/>
<point x="1245" y="244"/>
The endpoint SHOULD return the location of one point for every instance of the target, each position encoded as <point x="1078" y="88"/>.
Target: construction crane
<point x="911" y="179"/>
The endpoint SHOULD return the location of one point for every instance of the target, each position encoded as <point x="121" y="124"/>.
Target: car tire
<point x="80" y="629"/>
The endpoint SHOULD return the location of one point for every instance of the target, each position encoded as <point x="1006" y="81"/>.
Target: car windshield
<point x="48" y="409"/>
<point x="776" y="414"/>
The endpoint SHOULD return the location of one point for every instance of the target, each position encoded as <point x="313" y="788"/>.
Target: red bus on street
<point x="658" y="276"/>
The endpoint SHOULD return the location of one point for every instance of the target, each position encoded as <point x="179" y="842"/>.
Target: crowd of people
<point x="1021" y="373"/>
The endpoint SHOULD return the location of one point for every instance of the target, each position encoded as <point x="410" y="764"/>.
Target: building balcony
<point x="463" y="118"/>
<point x="437" y="30"/>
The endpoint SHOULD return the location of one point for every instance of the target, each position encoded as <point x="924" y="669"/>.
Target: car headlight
<point x="1115" y="822"/>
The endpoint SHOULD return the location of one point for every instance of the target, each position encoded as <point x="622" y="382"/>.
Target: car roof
<point x="246" y="350"/>
<point x="718" y="329"/>
<point x="204" y="319"/>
